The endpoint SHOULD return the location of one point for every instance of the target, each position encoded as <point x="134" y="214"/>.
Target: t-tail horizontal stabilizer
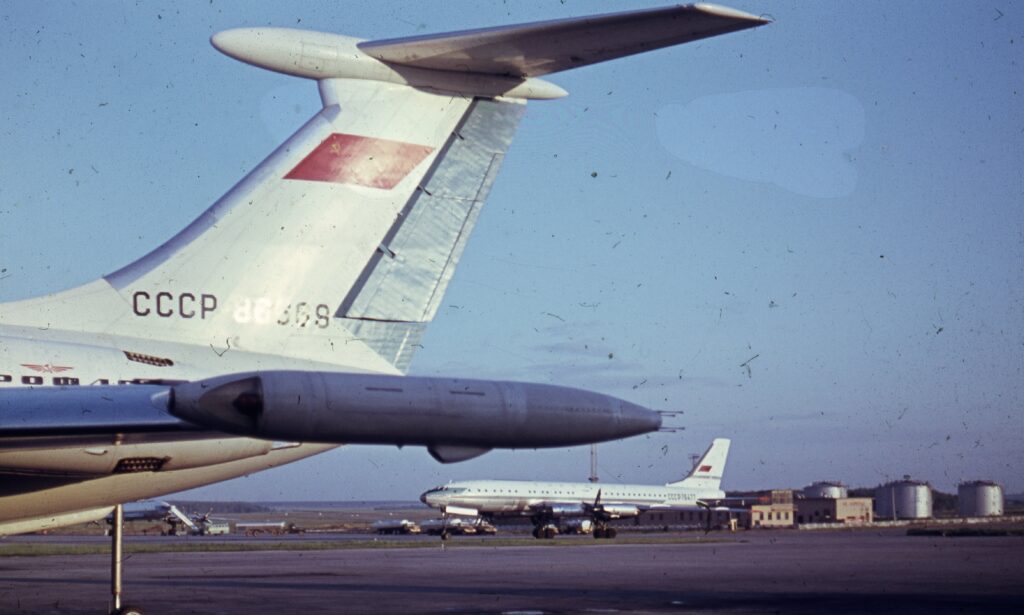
<point x="536" y="49"/>
<point x="504" y="60"/>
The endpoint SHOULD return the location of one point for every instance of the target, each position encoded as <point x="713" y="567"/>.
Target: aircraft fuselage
<point x="525" y="497"/>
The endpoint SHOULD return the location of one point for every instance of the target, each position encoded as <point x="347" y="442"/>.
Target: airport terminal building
<point x="834" y="510"/>
<point x="778" y="508"/>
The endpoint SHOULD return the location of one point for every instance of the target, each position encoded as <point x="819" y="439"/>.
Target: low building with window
<point x="769" y="515"/>
<point x="834" y="510"/>
<point x="771" y="509"/>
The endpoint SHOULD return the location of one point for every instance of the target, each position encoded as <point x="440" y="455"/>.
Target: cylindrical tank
<point x="980" y="498"/>
<point x="903" y="499"/>
<point x="826" y="489"/>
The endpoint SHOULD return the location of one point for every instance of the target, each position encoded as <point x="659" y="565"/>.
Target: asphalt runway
<point x="752" y="572"/>
<point x="98" y="540"/>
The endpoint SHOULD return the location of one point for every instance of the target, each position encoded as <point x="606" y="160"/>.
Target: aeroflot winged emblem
<point x="47" y="369"/>
<point x="362" y="161"/>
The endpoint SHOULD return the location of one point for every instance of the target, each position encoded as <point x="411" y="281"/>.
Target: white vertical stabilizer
<point x="335" y="249"/>
<point x="707" y="474"/>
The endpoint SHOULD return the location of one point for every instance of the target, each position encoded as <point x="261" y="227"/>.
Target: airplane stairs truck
<point x="152" y="510"/>
<point x="282" y="321"/>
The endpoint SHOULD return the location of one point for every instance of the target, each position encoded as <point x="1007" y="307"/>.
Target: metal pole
<point x="593" y="463"/>
<point x="115" y="560"/>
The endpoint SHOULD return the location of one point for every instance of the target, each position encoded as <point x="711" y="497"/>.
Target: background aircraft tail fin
<point x="707" y="474"/>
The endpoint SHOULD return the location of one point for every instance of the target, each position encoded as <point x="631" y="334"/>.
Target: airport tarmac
<point x="791" y="571"/>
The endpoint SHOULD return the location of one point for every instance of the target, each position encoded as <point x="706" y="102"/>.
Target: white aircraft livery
<point x="282" y="321"/>
<point x="548" y="502"/>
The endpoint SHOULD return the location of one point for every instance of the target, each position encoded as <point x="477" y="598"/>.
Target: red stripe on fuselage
<point x="362" y="161"/>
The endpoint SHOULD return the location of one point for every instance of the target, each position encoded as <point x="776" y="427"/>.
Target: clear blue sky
<point x="838" y="194"/>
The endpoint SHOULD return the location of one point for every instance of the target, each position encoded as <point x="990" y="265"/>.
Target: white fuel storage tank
<point x="980" y="498"/>
<point x="826" y="489"/>
<point x="903" y="499"/>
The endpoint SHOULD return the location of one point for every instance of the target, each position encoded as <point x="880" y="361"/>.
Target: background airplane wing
<point x="532" y="50"/>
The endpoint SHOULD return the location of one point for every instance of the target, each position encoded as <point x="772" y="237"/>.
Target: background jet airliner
<point x="546" y="503"/>
<point x="282" y="320"/>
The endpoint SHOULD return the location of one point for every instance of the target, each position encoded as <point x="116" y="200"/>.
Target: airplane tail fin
<point x="338" y="247"/>
<point x="707" y="474"/>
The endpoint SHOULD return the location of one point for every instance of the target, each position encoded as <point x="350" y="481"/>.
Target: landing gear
<point x="117" y="537"/>
<point x="603" y="531"/>
<point x="545" y="532"/>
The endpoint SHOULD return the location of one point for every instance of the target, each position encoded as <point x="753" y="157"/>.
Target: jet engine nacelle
<point x="618" y="511"/>
<point x="568" y="510"/>
<point x="456" y="418"/>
